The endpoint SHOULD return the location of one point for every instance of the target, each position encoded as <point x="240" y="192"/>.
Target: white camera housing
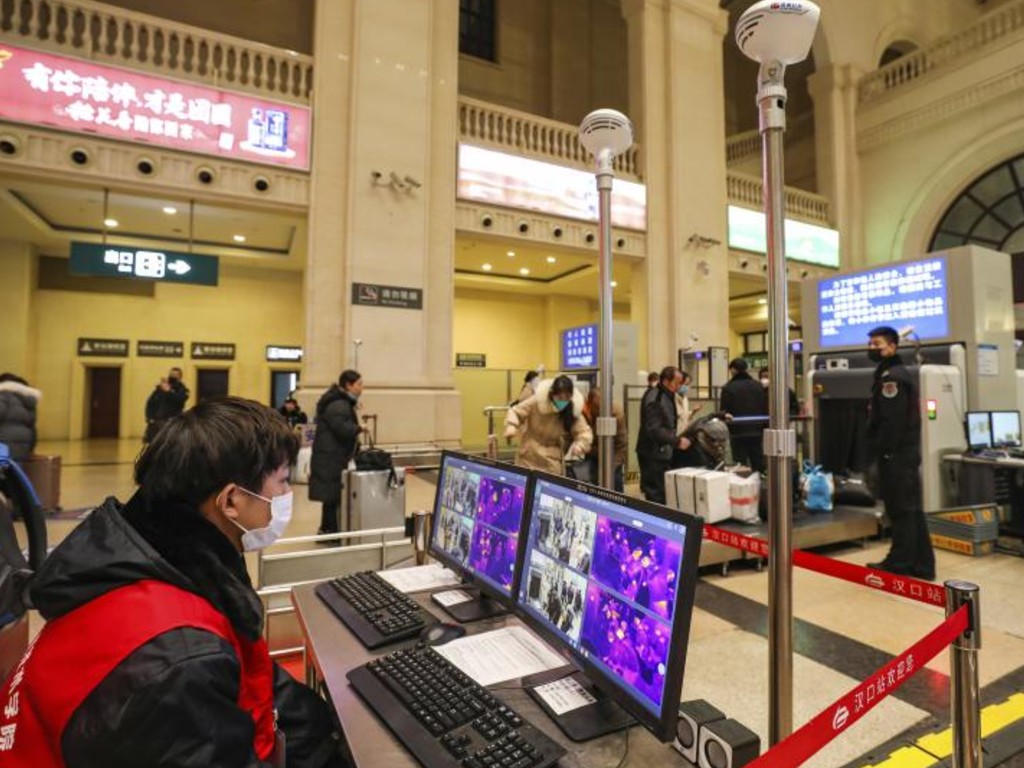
<point x="778" y="30"/>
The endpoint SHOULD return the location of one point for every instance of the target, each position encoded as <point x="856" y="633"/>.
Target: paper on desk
<point x="419" y="578"/>
<point x="503" y="654"/>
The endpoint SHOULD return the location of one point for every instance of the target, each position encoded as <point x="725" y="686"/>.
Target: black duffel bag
<point x="373" y="459"/>
<point x="853" y="491"/>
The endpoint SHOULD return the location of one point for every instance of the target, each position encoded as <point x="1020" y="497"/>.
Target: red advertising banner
<point x="80" y="96"/>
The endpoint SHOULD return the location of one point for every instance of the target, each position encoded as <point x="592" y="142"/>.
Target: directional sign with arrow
<point x="143" y="264"/>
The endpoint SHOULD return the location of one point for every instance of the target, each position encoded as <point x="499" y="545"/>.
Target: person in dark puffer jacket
<point x="334" y="445"/>
<point x="152" y="654"/>
<point x="18" y="403"/>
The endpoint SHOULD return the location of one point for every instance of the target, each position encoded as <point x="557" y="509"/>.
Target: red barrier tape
<point x="853" y="705"/>
<point x="883" y="581"/>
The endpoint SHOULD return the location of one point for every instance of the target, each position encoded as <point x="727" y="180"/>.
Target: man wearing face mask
<point x="658" y="435"/>
<point x="894" y="436"/>
<point x="152" y="654"/>
<point x="166" y="401"/>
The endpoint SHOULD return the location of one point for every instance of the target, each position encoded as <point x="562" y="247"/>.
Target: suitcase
<point x="371" y="501"/>
<point x="44" y="474"/>
<point x="300" y="469"/>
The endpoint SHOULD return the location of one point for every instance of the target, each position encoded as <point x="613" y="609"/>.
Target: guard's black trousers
<point x="652" y="478"/>
<point x="899" y="479"/>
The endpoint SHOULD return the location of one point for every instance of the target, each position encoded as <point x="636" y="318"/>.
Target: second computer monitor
<point x="979" y="430"/>
<point x="478" y="512"/>
<point x="611" y="579"/>
<point x="1006" y="429"/>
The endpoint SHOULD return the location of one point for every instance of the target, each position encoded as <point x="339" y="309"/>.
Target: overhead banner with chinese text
<point x="80" y="96"/>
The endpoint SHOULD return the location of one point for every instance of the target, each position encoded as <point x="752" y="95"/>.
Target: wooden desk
<point x="332" y="650"/>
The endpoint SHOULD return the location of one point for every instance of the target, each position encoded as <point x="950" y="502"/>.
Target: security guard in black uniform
<point x="894" y="432"/>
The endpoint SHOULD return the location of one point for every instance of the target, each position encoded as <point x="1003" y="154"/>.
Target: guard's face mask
<point x="280" y="516"/>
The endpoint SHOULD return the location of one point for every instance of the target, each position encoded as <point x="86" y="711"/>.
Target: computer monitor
<point x="979" y="430"/>
<point x="478" y="510"/>
<point x="610" y="580"/>
<point x="1006" y="429"/>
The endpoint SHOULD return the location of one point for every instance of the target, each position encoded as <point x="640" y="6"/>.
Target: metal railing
<point x="116" y="36"/>
<point x="994" y="26"/>
<point x="744" y="145"/>
<point x="748" y="191"/>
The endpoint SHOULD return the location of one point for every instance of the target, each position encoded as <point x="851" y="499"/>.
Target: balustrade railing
<point x="993" y="26"/>
<point x="101" y="32"/>
<point x="742" y="145"/>
<point x="747" y="190"/>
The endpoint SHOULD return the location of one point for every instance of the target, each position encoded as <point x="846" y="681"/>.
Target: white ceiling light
<point x="510" y="254"/>
<point x="552" y="259"/>
<point x="239" y="238"/>
<point x="614" y="284"/>
<point x="524" y="271"/>
<point x="170" y="210"/>
<point x="762" y="301"/>
<point x="110" y="223"/>
<point x="485" y="267"/>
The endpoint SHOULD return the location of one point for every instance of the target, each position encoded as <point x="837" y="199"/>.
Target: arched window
<point x="896" y="50"/>
<point x="990" y="212"/>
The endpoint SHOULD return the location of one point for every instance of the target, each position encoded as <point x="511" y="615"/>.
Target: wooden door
<point x="104" y="402"/>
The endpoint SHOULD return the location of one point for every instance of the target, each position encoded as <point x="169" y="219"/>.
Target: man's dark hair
<point x="686" y="376"/>
<point x="219" y="441"/>
<point x="762" y="373"/>
<point x="12" y="377"/>
<point x="652" y="377"/>
<point x="739" y="365"/>
<point x="348" y="377"/>
<point x="530" y="376"/>
<point x="176" y="368"/>
<point x="668" y="373"/>
<point x="887" y="332"/>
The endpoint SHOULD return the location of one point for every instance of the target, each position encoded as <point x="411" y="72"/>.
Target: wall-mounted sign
<point x="277" y="354"/>
<point x="513" y="181"/>
<point x="85" y="97"/>
<point x="804" y="242"/>
<point x="470" y="360"/>
<point x="209" y="350"/>
<point x="143" y="263"/>
<point x="370" y="295"/>
<point x="103" y="347"/>
<point x="160" y="349"/>
<point x="579" y="347"/>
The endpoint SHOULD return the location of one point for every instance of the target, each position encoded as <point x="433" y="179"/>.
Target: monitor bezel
<point x="467" y="574"/>
<point x="967" y="430"/>
<point x="662" y="727"/>
<point x="992" y="430"/>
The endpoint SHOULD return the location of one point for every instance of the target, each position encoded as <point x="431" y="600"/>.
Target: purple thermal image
<point x="500" y="504"/>
<point x="493" y="554"/>
<point x="633" y="646"/>
<point x="638" y="565"/>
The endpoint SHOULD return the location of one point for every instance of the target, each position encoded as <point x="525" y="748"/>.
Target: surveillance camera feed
<point x="477" y="514"/>
<point x="605" y="578"/>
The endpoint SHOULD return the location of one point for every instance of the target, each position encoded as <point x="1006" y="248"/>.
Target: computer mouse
<point x="439" y="634"/>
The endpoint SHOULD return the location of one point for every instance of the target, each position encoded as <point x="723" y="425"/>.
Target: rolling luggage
<point x="44" y="474"/>
<point x="373" y="499"/>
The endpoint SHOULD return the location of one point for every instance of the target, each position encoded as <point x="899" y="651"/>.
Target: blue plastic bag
<point x="817" y="488"/>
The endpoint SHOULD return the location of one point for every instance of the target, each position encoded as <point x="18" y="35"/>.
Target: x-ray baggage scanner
<point x="954" y="310"/>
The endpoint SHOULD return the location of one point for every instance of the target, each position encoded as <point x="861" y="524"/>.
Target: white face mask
<point x="280" y="516"/>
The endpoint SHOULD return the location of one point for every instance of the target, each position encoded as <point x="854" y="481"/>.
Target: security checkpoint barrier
<point x="961" y="632"/>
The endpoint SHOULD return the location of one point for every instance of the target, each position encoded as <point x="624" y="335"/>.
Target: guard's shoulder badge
<point x="890" y="389"/>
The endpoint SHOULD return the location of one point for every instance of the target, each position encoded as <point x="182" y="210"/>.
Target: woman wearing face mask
<point x="684" y="420"/>
<point x="334" y="445"/>
<point x="550" y="426"/>
<point x="152" y="653"/>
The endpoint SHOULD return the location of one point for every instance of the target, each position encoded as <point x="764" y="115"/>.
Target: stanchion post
<point x="963" y="668"/>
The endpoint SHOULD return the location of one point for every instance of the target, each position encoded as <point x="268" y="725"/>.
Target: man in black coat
<point x="334" y="445"/>
<point x="742" y="396"/>
<point x="166" y="401"/>
<point x="894" y="435"/>
<point x="657" y="438"/>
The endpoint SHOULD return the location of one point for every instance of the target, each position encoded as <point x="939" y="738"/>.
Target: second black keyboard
<point x="445" y="719"/>
<point x="373" y="609"/>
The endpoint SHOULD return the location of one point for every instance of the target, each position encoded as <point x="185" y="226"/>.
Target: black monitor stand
<point x="601" y="717"/>
<point x="479" y="607"/>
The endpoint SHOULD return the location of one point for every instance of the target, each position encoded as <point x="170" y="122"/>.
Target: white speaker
<point x="693" y="715"/>
<point x="727" y="744"/>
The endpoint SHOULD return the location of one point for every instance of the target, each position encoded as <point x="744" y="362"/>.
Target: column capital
<point x="837" y="77"/>
<point x="707" y="10"/>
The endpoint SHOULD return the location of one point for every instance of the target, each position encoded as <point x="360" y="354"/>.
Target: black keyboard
<point x="374" y="610"/>
<point x="445" y="719"/>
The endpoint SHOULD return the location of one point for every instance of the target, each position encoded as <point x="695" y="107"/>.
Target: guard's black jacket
<point x="894" y="422"/>
<point x="173" y="701"/>
<point x="658" y="418"/>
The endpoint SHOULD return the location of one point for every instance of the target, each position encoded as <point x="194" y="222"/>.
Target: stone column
<point x="834" y="92"/>
<point x="383" y="210"/>
<point x="18" y="278"/>
<point x="678" y="105"/>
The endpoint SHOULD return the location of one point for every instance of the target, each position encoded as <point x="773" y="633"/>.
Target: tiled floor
<point x="727" y="658"/>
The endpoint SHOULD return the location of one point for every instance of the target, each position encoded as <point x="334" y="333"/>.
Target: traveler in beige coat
<point x="550" y="425"/>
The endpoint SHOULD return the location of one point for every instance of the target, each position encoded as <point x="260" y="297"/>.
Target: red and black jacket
<point x="152" y="656"/>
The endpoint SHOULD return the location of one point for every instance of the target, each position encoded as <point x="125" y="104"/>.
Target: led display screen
<point x="579" y="348"/>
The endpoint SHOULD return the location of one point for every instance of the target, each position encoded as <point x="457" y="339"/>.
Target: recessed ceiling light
<point x="552" y="259"/>
<point x="614" y="284"/>
<point x="485" y="267"/>
<point x="111" y="223"/>
<point x="170" y="210"/>
<point x="762" y="301"/>
<point x="239" y="238"/>
<point x="510" y="254"/>
<point x="524" y="271"/>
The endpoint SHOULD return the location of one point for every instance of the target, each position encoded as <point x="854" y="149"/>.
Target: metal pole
<point x="606" y="421"/>
<point x="779" y="438"/>
<point x="963" y="657"/>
